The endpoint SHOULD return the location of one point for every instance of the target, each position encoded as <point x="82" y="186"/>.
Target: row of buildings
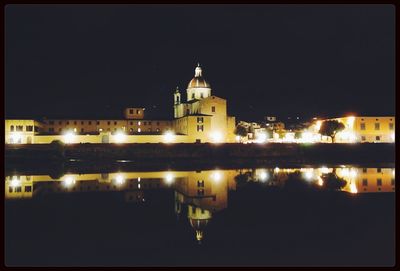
<point x="198" y="195"/>
<point x="201" y="118"/>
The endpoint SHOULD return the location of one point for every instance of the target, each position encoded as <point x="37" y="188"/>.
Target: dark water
<point x="342" y="216"/>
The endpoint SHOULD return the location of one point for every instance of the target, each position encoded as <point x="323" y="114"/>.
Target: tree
<point x="331" y="128"/>
<point x="241" y="131"/>
<point x="333" y="182"/>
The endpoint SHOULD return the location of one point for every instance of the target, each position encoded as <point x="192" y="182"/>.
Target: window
<point x="362" y="126"/>
<point x="200" y="128"/>
<point x="10" y="189"/>
<point x="144" y="123"/>
<point x="19" y="128"/>
<point x="90" y="123"/>
<point x="108" y="123"/>
<point x="391" y="126"/>
<point x="82" y="130"/>
<point x="82" y="122"/>
<point x="29" y="128"/>
<point x="18" y="189"/>
<point x="377" y="126"/>
<point x="200" y="192"/>
<point x="149" y="122"/>
<point x="67" y="122"/>
<point x="130" y="111"/>
<point x="365" y="182"/>
<point x="363" y="138"/>
<point x="98" y="122"/>
<point x="131" y="123"/>
<point x="203" y="211"/>
<point x="28" y="188"/>
<point x="187" y="111"/>
<point x="392" y="182"/>
<point x="379" y="170"/>
<point x="158" y="123"/>
<point x="137" y="111"/>
<point x="213" y="109"/>
<point x="192" y="95"/>
<point x="51" y="122"/>
<point x="51" y="129"/>
<point x="200" y="183"/>
<point x="199" y="119"/>
<point x="60" y="122"/>
<point x="115" y="123"/>
<point x="364" y="170"/>
<point x="379" y="182"/>
<point x="74" y="122"/>
<point x="378" y="138"/>
<point x="12" y="128"/>
<point x="201" y="95"/>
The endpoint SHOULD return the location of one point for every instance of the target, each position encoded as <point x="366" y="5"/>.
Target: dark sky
<point x="88" y="60"/>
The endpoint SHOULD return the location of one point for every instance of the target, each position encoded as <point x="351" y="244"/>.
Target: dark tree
<point x="331" y="128"/>
<point x="333" y="182"/>
<point x="241" y="131"/>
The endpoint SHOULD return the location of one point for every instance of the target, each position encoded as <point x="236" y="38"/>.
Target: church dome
<point x="198" y="81"/>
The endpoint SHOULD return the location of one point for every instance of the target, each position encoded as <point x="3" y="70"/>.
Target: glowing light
<point x="353" y="173"/>
<point x="318" y="125"/>
<point x="69" y="137"/>
<point x="168" y="137"/>
<point x="138" y="186"/>
<point x="324" y="170"/>
<point x="393" y="137"/>
<point x="169" y="178"/>
<point x="308" y="175"/>
<point x="307" y="137"/>
<point x="119" y="179"/>
<point x="216" y="137"/>
<point x="350" y="122"/>
<point x="261" y="138"/>
<point x="138" y="179"/>
<point x="353" y="188"/>
<point x="216" y="176"/>
<point x="120" y="137"/>
<point x="139" y="130"/>
<point x="263" y="176"/>
<point x="320" y="181"/>
<point x="15" y="182"/>
<point x="69" y="181"/>
<point x="237" y="138"/>
<point x="16" y="138"/>
<point x="276" y="169"/>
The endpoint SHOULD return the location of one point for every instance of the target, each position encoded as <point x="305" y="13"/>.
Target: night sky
<point x="94" y="60"/>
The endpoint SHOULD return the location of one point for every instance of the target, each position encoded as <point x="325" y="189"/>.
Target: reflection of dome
<point x="198" y="81"/>
<point x="199" y="219"/>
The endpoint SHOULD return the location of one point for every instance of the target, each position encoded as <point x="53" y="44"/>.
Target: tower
<point x="177" y="96"/>
<point x="198" y="88"/>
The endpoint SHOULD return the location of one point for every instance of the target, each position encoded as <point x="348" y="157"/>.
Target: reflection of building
<point x="362" y="129"/>
<point x="202" y="118"/>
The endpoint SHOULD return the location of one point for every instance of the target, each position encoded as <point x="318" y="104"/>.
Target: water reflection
<point x="199" y="195"/>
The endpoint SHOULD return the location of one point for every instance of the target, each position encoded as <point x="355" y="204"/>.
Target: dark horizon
<point x="278" y="60"/>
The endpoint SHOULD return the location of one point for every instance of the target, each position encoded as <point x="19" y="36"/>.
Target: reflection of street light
<point x="216" y="137"/>
<point x="119" y="180"/>
<point x="308" y="175"/>
<point x="263" y="176"/>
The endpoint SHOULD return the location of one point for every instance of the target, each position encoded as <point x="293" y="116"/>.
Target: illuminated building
<point x="202" y="118"/>
<point x="361" y="129"/>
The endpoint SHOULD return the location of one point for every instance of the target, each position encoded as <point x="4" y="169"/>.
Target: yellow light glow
<point x="120" y="137"/>
<point x="353" y="173"/>
<point x="393" y="137"/>
<point x="263" y="176"/>
<point x="318" y="125"/>
<point x="119" y="179"/>
<point x="168" y="137"/>
<point x="276" y="170"/>
<point x="15" y="182"/>
<point x="350" y="122"/>
<point x="16" y="138"/>
<point x="216" y="137"/>
<point x="308" y="175"/>
<point x="217" y="176"/>
<point x="237" y="138"/>
<point x="69" y="137"/>
<point x="169" y="178"/>
<point x="320" y="181"/>
<point x="324" y="170"/>
<point x="307" y="137"/>
<point x="69" y="181"/>
<point x="353" y="188"/>
<point x="261" y="138"/>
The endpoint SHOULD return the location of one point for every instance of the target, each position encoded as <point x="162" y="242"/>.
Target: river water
<point x="299" y="216"/>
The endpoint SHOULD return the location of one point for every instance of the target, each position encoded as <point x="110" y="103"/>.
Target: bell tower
<point x="177" y="102"/>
